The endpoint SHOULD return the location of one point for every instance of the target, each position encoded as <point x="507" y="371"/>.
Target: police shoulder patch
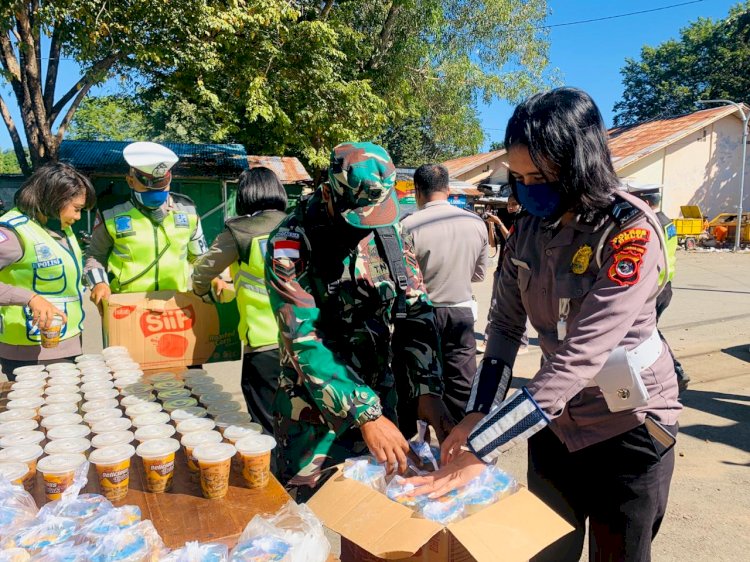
<point x="638" y="236"/>
<point x="181" y="220"/>
<point x="625" y="270"/>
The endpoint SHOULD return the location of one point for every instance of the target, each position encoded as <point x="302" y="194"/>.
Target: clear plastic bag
<point x="65" y="552"/>
<point x="400" y="492"/>
<point x="17" y="507"/>
<point x="108" y="522"/>
<point x="367" y="471"/>
<point x="293" y="534"/>
<point x="197" y="552"/>
<point x="41" y="533"/>
<point x="139" y="543"/>
<point x="14" y="555"/>
<point x="77" y="506"/>
<point x="428" y="456"/>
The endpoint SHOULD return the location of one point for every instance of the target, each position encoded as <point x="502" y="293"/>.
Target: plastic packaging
<point x="399" y="491"/>
<point x="17" y="507"/>
<point x="367" y="471"/>
<point x="109" y="522"/>
<point x="65" y="552"/>
<point x="294" y="526"/>
<point x="138" y="543"/>
<point x="61" y="473"/>
<point x="421" y="447"/>
<point x="14" y="555"/>
<point x="41" y="533"/>
<point x="27" y="454"/>
<point x="196" y="552"/>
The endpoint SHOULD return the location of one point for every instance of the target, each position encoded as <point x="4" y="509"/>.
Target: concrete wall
<point x="701" y="169"/>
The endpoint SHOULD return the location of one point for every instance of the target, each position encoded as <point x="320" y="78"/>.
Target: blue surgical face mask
<point x="151" y="199"/>
<point x="540" y="199"/>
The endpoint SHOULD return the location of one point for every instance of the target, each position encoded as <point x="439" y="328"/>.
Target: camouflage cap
<point x="362" y="178"/>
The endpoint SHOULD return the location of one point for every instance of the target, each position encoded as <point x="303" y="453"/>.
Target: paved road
<point x="708" y="326"/>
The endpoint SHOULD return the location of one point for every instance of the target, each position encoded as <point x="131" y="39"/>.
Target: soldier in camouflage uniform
<point x="335" y="299"/>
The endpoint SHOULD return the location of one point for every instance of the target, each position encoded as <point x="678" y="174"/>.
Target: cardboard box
<point x="165" y="329"/>
<point x="375" y="528"/>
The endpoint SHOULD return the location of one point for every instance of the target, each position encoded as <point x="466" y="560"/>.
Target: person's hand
<point x="494" y="220"/>
<point x="451" y="447"/>
<point x="43" y="311"/>
<point x="218" y="285"/>
<point x="433" y="410"/>
<point x="386" y="443"/>
<point x="101" y="292"/>
<point x="464" y="468"/>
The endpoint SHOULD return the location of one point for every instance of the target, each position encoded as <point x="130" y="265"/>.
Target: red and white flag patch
<point x="286" y="249"/>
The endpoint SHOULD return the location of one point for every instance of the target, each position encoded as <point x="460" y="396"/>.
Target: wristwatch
<point x="370" y="414"/>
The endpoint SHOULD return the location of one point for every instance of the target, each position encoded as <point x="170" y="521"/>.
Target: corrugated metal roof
<point x="196" y="160"/>
<point x="630" y="144"/>
<point x="459" y="166"/>
<point x="288" y="168"/>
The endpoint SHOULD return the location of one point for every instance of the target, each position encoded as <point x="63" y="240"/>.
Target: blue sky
<point x="588" y="56"/>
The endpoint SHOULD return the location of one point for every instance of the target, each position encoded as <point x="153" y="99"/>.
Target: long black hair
<point x="565" y="134"/>
<point x="260" y="190"/>
<point x="52" y="187"/>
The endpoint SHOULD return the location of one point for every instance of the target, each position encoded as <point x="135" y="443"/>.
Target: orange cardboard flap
<point x="515" y="528"/>
<point x="368" y="518"/>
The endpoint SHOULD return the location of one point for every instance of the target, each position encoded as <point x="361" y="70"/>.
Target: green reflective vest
<point x="147" y="256"/>
<point x="47" y="268"/>
<point x="670" y="236"/>
<point x="257" y="325"/>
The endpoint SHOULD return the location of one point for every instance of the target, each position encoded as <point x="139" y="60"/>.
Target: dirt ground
<point x="708" y="326"/>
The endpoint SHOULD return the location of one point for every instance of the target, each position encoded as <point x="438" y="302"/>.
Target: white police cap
<point x="150" y="159"/>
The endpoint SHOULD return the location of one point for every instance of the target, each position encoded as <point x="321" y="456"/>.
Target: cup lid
<point x="25" y="393"/>
<point x="25" y="403"/>
<point x="95" y="376"/>
<point x="27" y="438"/>
<point x="199" y="380"/>
<point x="17" y="426"/>
<point x="160" y="377"/>
<point x="190" y="373"/>
<point x="168" y="385"/>
<point x="63" y="399"/>
<point x="195" y="424"/>
<point x="95" y="405"/>
<point x="201" y="389"/>
<point x="157" y="447"/>
<point x="122" y="363"/>
<point x="112" y="438"/>
<point x="222" y="408"/>
<point x="255" y="444"/>
<point x="233" y="418"/>
<point x="214" y="397"/>
<point x="236" y="432"/>
<point x="97" y="416"/>
<point x="155" y="431"/>
<point x="153" y="418"/>
<point x="89" y="357"/>
<point x="61" y="367"/>
<point x="61" y="408"/>
<point x="112" y="454"/>
<point x="18" y="414"/>
<point x="166" y="395"/>
<point x="200" y="438"/>
<point x="188" y="413"/>
<point x="111" y="424"/>
<point x="121" y="373"/>
<point x="171" y="405"/>
<point x="61" y="389"/>
<point x="60" y="462"/>
<point x="72" y="445"/>
<point x="61" y="419"/>
<point x="214" y="452"/>
<point x="62" y="374"/>
<point x="137" y="388"/>
<point x="123" y="382"/>
<point x="143" y="408"/>
<point x="29" y="369"/>
<point x="13" y="470"/>
<point x="21" y="453"/>
<point x="95" y="395"/>
<point x="28" y="384"/>
<point x="68" y="432"/>
<point x="133" y="399"/>
<point x="32" y="376"/>
<point x="97" y="385"/>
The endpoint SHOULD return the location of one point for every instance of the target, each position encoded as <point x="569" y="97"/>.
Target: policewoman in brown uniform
<point x="601" y="412"/>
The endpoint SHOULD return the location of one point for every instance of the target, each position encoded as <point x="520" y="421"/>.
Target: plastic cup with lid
<point x="61" y="419"/>
<point x="152" y="418"/>
<point x="192" y="440"/>
<point x="167" y="395"/>
<point x="58" y="471"/>
<point x="189" y="373"/>
<point x="172" y="405"/>
<point x="62" y="366"/>
<point x="113" y="468"/>
<point x="154" y="431"/>
<point x="133" y="399"/>
<point x="91" y="368"/>
<point x="96" y="377"/>
<point x="67" y="398"/>
<point x="226" y="419"/>
<point x="255" y="459"/>
<point x="137" y="388"/>
<point x="112" y="438"/>
<point x="95" y="405"/>
<point x="214" y="461"/>
<point x="14" y="472"/>
<point x="122" y="363"/>
<point x="65" y="380"/>
<point x="93" y="418"/>
<point x="234" y="433"/>
<point x="188" y="413"/>
<point x="121" y="373"/>
<point x="123" y="382"/>
<point x="27" y="393"/>
<point x="34" y="376"/>
<point x="61" y="389"/>
<point x="199" y="380"/>
<point x="19" y="414"/>
<point x="62" y="408"/>
<point x="95" y="395"/>
<point x="64" y="446"/>
<point x="68" y="432"/>
<point x="27" y="455"/>
<point x="195" y="424"/>
<point x="144" y="408"/>
<point x="28" y="384"/>
<point x="17" y="426"/>
<point x="158" y="463"/>
<point x="219" y="408"/>
<point x="89" y="357"/>
<point x="111" y="424"/>
<point x="215" y="397"/>
<point x="26" y="438"/>
<point x="113" y="350"/>
<point x="161" y="386"/>
<point x="29" y="369"/>
<point x="161" y="377"/>
<point x="97" y="385"/>
<point x="206" y="388"/>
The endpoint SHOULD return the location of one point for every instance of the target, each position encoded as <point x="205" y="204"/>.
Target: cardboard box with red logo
<point x="164" y="329"/>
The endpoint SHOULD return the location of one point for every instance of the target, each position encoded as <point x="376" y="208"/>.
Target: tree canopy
<point x="711" y="60"/>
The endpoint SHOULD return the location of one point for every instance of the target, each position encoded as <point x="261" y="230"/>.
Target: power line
<point x="578" y="22"/>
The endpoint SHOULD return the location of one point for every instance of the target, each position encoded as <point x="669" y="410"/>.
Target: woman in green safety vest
<point x="241" y="246"/>
<point x="40" y="267"/>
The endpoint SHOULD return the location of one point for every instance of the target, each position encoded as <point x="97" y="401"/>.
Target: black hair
<point x="430" y="178"/>
<point x="260" y="190"/>
<point x="52" y="187"/>
<point x="652" y="199"/>
<point x="565" y="135"/>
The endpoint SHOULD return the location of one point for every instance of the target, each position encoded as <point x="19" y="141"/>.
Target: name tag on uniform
<point x="181" y="220"/>
<point x="124" y="226"/>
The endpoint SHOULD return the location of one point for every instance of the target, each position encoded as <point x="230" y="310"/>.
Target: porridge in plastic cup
<point x="214" y="461"/>
<point x="158" y="463"/>
<point x="234" y="433"/>
<point x="18" y="426"/>
<point x="143" y="408"/>
<point x="75" y="445"/>
<point x="58" y="472"/>
<point x="191" y="425"/>
<point x="153" y="418"/>
<point x="50" y="335"/>
<point x="226" y="419"/>
<point x="68" y="432"/>
<point x="26" y="438"/>
<point x="18" y="414"/>
<point x="27" y="455"/>
<point x="92" y="418"/>
<point x="155" y="431"/>
<point x="115" y="423"/>
<point x="255" y="457"/>
<point x="112" y="438"/>
<point x="14" y="471"/>
<point x="188" y="413"/>
<point x="113" y="467"/>
<point x="193" y="440"/>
